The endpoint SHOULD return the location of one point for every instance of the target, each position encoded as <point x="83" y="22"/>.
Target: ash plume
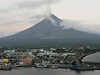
<point x="81" y="26"/>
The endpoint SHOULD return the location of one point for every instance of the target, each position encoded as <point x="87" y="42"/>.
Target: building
<point x="9" y="51"/>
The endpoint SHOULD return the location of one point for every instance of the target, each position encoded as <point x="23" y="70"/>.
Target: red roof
<point x="26" y="61"/>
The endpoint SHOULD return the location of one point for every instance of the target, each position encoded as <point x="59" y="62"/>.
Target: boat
<point x="40" y="65"/>
<point x="6" y="68"/>
<point x="82" y="68"/>
<point x="53" y="66"/>
<point x="62" y="66"/>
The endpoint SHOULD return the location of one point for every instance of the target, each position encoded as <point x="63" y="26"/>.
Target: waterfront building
<point x="9" y="51"/>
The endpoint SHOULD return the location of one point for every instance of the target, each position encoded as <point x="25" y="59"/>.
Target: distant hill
<point x="49" y="32"/>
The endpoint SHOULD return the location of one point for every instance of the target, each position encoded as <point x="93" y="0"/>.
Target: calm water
<point x="38" y="71"/>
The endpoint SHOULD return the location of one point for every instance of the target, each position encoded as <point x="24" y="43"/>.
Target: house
<point x="9" y="51"/>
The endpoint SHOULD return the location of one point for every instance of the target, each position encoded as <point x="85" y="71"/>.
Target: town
<point x="69" y="57"/>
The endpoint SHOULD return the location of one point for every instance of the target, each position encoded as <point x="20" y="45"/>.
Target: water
<point x="39" y="71"/>
<point x="95" y="58"/>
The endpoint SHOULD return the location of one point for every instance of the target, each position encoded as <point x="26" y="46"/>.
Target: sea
<point x="45" y="71"/>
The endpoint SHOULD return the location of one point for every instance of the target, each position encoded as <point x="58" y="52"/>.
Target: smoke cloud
<point x="81" y="26"/>
<point x="17" y="15"/>
<point x="19" y="11"/>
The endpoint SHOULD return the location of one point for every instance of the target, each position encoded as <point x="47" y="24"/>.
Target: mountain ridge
<point x="49" y="32"/>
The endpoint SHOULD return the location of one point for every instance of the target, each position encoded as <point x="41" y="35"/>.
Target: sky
<point x="18" y="15"/>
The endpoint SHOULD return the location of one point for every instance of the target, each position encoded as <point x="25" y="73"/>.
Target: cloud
<point x="23" y="10"/>
<point x="22" y="13"/>
<point x="17" y="15"/>
<point x="81" y="26"/>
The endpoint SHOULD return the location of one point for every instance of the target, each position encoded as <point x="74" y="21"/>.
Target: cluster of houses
<point x="35" y="57"/>
<point x="40" y="58"/>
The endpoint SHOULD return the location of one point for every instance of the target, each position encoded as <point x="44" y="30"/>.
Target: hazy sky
<point x="17" y="15"/>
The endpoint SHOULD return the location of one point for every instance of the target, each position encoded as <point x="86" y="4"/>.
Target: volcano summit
<point x="49" y="32"/>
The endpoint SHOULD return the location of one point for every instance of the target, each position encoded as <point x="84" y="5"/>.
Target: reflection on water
<point x="44" y="71"/>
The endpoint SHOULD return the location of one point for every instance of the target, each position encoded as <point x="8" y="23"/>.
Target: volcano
<point x="49" y="32"/>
